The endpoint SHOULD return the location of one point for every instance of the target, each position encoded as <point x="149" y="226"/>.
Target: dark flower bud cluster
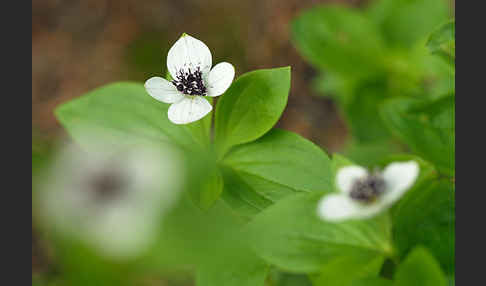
<point x="107" y="186"/>
<point x="367" y="190"/>
<point x="190" y="82"/>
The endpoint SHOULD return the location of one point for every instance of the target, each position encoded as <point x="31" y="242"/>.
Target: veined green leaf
<point x="122" y="111"/>
<point x="443" y="42"/>
<point x="405" y="22"/>
<point x="428" y="128"/>
<point x="244" y="269"/>
<point x="290" y="235"/>
<point x="433" y="226"/>
<point x="376" y="281"/>
<point x="344" y="270"/>
<point x="419" y="268"/>
<point x="251" y="106"/>
<point x="279" y="164"/>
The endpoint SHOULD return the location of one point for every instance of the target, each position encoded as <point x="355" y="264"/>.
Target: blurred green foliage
<point x="420" y="268"/>
<point x="390" y="68"/>
<point x="443" y="42"/>
<point x="427" y="127"/>
<point x="368" y="56"/>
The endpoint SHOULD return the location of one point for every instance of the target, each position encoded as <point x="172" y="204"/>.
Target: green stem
<point x="204" y="132"/>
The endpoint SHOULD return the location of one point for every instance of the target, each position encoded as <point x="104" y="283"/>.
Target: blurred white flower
<point x="364" y="194"/>
<point x="112" y="200"/>
<point x="189" y="62"/>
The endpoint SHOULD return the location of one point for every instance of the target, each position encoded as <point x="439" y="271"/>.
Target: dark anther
<point x="368" y="189"/>
<point x="190" y="82"/>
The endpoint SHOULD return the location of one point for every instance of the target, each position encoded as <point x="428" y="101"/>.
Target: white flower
<point x="364" y="194"/>
<point x="112" y="201"/>
<point x="189" y="63"/>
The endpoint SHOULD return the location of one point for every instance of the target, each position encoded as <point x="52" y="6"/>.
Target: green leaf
<point x="84" y="266"/>
<point x="361" y="109"/>
<point x="290" y="235"/>
<point x="427" y="128"/>
<point x="279" y="164"/>
<point x="243" y="194"/>
<point x="121" y="111"/>
<point x="286" y="158"/>
<point x="335" y="85"/>
<point x="233" y="270"/>
<point x="251" y="106"/>
<point x="443" y="42"/>
<point x="212" y="189"/>
<point x="191" y="236"/>
<point x="279" y="278"/>
<point x="420" y="268"/>
<point x="206" y="186"/>
<point x="376" y="281"/>
<point x="344" y="270"/>
<point x="338" y="39"/>
<point x="439" y="75"/>
<point x="405" y="22"/>
<point x="433" y="226"/>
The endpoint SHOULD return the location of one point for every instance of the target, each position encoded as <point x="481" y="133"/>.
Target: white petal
<point x="162" y="90"/>
<point x="346" y="176"/>
<point x="189" y="110"/>
<point x="189" y="53"/>
<point x="220" y="78"/>
<point x="336" y="207"/>
<point x="339" y="207"/>
<point x="399" y="177"/>
<point x="121" y="232"/>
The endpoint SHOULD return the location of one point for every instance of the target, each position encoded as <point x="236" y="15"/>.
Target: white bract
<point x="364" y="194"/>
<point x="112" y="201"/>
<point x="189" y="63"/>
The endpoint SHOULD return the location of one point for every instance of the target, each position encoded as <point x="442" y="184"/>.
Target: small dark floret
<point x="367" y="190"/>
<point x="190" y="82"/>
<point x="107" y="186"/>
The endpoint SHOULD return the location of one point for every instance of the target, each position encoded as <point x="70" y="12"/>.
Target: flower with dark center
<point x="189" y="62"/>
<point x="363" y="194"/>
<point x="111" y="201"/>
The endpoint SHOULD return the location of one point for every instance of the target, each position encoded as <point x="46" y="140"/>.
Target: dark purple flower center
<point x="107" y="186"/>
<point x="190" y="82"/>
<point x="368" y="189"/>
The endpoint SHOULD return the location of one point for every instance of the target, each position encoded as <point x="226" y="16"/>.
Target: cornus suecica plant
<point x="364" y="194"/>
<point x="367" y="218"/>
<point x="189" y="62"/>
